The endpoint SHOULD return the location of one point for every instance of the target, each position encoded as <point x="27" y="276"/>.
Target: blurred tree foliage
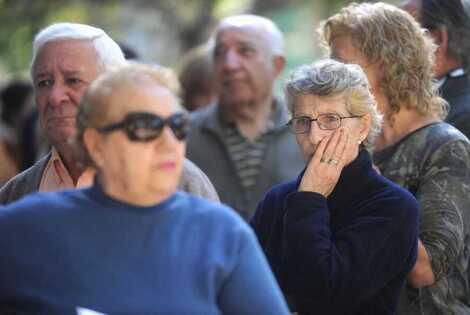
<point x="188" y="22"/>
<point x="22" y="19"/>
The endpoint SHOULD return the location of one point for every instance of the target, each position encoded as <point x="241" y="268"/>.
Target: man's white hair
<point x="274" y="36"/>
<point x="108" y="51"/>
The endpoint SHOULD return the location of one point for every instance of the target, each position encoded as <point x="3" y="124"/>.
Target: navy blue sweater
<point x="82" y="249"/>
<point x="345" y="254"/>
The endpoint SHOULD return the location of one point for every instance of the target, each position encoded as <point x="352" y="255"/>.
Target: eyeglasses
<point x="142" y="126"/>
<point x="302" y="124"/>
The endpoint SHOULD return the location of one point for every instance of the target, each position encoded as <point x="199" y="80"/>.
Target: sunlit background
<point x="159" y="31"/>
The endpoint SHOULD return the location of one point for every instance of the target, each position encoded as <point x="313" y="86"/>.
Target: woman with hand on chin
<point x="340" y="238"/>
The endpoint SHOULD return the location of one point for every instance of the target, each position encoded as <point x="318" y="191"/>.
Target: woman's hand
<point x="325" y="167"/>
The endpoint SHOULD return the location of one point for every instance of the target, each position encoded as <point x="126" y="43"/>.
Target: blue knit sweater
<point x="345" y="254"/>
<point x="82" y="249"/>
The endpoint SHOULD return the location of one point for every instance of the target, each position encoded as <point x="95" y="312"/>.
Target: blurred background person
<point x="242" y="142"/>
<point x="415" y="149"/>
<point x="340" y="238"/>
<point x="132" y="244"/>
<point x="67" y="57"/>
<point x="129" y="52"/>
<point x="34" y="143"/>
<point x="197" y="78"/>
<point x="16" y="104"/>
<point x="448" y="22"/>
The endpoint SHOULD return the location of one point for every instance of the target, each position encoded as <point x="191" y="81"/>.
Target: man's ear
<point x="441" y="38"/>
<point x="279" y="63"/>
<point x="91" y="141"/>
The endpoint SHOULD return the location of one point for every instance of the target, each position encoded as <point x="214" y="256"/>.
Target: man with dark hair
<point x="449" y="24"/>
<point x="197" y="78"/>
<point x="15" y="105"/>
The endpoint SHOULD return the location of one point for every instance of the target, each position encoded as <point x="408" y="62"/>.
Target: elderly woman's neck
<point x="396" y="127"/>
<point x="137" y="196"/>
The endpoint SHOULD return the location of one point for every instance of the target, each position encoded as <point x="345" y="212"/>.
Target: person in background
<point x="340" y="238"/>
<point x="16" y="104"/>
<point x="129" y="52"/>
<point x="67" y="58"/>
<point x="241" y="142"/>
<point x="197" y="78"/>
<point x="415" y="149"/>
<point x="132" y="243"/>
<point x="448" y="22"/>
<point x="33" y="141"/>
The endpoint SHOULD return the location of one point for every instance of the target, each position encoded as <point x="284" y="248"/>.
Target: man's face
<point x="61" y="74"/>
<point x="244" y="67"/>
<point x="441" y="61"/>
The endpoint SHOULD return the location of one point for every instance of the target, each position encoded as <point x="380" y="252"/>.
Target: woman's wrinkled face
<point x="313" y="106"/>
<point x="140" y="167"/>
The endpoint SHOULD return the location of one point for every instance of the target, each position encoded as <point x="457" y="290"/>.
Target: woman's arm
<point x="421" y="275"/>
<point x="443" y="194"/>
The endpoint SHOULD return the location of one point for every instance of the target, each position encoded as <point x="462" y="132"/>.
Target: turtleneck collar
<point x="351" y="182"/>
<point x="97" y="193"/>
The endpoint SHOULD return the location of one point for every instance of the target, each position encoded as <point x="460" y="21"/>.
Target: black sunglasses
<point x="142" y="126"/>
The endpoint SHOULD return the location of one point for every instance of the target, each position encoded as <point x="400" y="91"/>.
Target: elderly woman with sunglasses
<point x="340" y="238"/>
<point x="132" y="244"/>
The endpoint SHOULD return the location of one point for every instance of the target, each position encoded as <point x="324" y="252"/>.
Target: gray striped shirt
<point x="246" y="155"/>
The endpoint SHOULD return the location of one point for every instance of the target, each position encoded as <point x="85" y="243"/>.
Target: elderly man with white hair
<point x="242" y="143"/>
<point x="67" y="58"/>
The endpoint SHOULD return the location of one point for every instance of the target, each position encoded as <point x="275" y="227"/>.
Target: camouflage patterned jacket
<point x="433" y="163"/>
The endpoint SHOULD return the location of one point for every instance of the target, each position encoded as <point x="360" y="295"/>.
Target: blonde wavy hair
<point x="389" y="36"/>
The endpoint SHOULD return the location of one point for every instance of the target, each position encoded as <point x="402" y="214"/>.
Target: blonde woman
<point x="415" y="149"/>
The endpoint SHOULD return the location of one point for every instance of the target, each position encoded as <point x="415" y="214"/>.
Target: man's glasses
<point x="303" y="124"/>
<point x="142" y="126"/>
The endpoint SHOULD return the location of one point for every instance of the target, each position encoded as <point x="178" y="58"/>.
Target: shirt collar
<point x="452" y="74"/>
<point x="278" y="118"/>
<point x="57" y="177"/>
<point x="351" y="182"/>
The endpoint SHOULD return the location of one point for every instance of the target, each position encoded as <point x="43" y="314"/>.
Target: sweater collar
<point x="351" y="182"/>
<point x="97" y="193"/>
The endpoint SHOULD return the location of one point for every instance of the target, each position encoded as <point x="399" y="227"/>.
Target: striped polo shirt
<point x="247" y="155"/>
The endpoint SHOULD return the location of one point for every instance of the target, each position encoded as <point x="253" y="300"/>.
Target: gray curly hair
<point x="329" y="78"/>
